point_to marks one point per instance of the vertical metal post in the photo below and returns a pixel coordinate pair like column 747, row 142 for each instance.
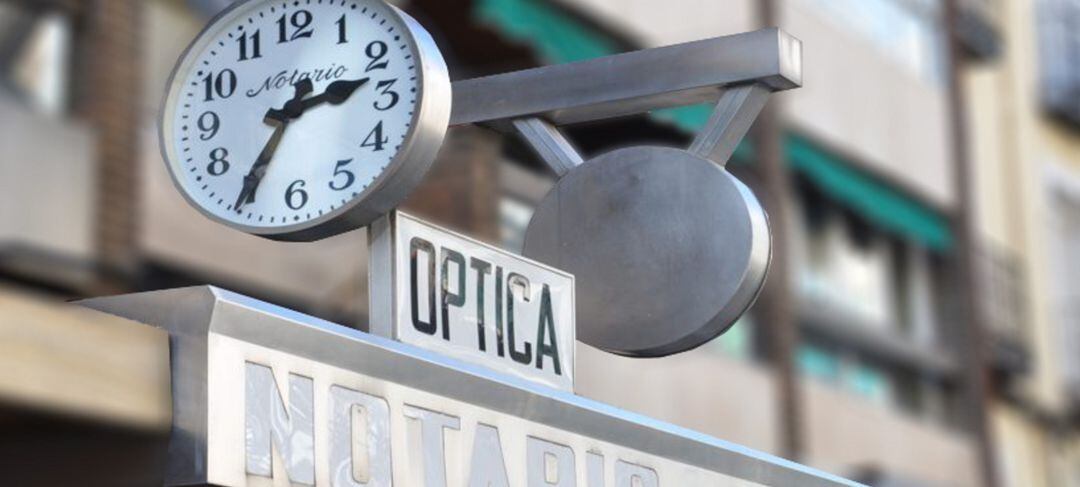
column 972, row 337
column 776, row 308
column 381, row 285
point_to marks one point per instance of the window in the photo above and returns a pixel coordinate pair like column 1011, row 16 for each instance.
column 908, row 31
column 514, row 217
column 1059, row 37
column 857, row 273
column 819, row 363
column 35, row 52
column 845, row 372
column 847, row 269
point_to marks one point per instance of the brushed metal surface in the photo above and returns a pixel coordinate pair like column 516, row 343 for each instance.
column 668, row 248
column 216, row 334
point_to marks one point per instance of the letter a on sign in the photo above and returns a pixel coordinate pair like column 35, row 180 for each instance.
column 488, row 465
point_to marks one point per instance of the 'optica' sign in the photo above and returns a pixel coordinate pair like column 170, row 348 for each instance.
column 454, row 295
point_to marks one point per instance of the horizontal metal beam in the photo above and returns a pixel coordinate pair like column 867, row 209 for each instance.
column 634, row 82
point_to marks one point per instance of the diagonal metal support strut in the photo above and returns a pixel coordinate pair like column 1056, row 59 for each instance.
column 731, row 120
column 550, row 144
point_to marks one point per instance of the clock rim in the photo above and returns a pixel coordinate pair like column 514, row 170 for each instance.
column 403, row 173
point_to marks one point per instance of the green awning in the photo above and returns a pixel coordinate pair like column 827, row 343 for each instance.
column 559, row 37
column 870, row 197
column 556, row 36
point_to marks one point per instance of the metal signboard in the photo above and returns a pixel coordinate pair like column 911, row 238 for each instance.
column 460, row 297
column 264, row 396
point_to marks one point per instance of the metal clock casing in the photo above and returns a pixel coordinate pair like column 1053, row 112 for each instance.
column 413, row 152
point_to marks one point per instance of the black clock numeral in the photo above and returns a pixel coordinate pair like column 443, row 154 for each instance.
column 209, row 123
column 300, row 21
column 340, row 171
column 384, row 89
column 295, row 196
column 342, row 33
column 223, row 85
column 255, row 43
column 377, row 51
column 219, row 164
column 375, row 139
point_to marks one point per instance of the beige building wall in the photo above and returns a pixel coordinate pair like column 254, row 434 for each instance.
column 1022, row 454
column 663, row 23
column 1019, row 155
column 854, row 98
column 846, row 433
column 1012, row 195
column 867, row 106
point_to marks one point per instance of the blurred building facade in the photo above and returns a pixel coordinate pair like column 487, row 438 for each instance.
column 923, row 330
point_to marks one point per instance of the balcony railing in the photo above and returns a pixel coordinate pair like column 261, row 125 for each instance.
column 1003, row 307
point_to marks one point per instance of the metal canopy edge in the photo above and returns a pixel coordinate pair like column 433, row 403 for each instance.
column 192, row 315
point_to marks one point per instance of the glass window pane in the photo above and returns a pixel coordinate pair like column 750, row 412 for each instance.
column 818, row 363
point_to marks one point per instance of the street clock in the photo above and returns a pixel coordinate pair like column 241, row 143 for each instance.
column 302, row 119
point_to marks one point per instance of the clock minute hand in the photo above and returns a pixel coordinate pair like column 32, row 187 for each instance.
column 293, row 108
column 258, row 170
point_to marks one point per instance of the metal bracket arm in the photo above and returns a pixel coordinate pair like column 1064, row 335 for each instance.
column 550, row 144
column 634, row 82
column 730, row 121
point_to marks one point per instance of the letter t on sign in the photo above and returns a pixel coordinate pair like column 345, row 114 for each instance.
column 433, row 455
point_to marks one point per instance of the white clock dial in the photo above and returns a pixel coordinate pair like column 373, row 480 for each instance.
column 303, row 118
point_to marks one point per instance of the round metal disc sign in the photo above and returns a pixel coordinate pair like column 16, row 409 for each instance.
column 668, row 249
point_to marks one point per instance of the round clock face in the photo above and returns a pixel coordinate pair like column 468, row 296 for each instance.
column 301, row 119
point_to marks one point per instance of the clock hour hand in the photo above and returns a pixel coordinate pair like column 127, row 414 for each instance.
column 337, row 93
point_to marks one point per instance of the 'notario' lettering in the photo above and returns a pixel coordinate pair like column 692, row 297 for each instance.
column 285, row 78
